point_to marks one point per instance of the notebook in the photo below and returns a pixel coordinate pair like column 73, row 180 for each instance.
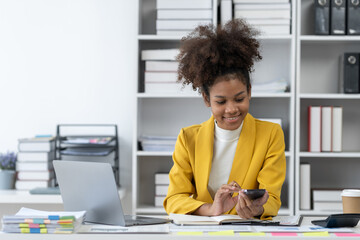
column 91, row 186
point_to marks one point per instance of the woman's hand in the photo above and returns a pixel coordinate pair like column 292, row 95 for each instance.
column 223, row 201
column 247, row 208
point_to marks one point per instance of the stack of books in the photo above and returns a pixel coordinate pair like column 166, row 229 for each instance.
column 275, row 86
column 158, row 143
column 161, row 72
column 270, row 17
column 178, row 18
column 327, row 200
column 161, row 188
column 33, row 221
column 34, row 163
column 325, row 128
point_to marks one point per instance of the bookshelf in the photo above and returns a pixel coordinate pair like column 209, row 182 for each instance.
column 317, row 84
column 165, row 114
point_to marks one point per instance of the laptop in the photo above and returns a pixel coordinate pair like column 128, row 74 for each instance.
column 91, row 186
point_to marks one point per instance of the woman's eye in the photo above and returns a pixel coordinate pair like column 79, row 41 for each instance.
column 220, row 102
column 239, row 99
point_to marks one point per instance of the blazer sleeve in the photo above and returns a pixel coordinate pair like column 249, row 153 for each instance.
column 272, row 174
column 181, row 189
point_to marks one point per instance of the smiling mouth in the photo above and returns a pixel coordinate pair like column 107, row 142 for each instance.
column 232, row 118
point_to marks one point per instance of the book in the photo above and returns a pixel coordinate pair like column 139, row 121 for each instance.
column 173, row 33
column 35, row 156
column 162, row 178
column 28, row 220
column 226, row 11
column 272, row 29
column 184, row 4
column 159, row 54
column 327, row 206
column 173, row 88
column 34, row 166
column 161, row 66
column 36, row 144
column 35, row 175
column 160, row 77
column 161, row 190
column 159, row 200
column 184, row 14
column 329, row 195
column 273, row 13
column 337, row 126
column 185, row 219
column 260, row 1
column 326, row 128
column 264, row 6
column 165, row 24
column 305, row 186
column 30, row 184
column 314, row 128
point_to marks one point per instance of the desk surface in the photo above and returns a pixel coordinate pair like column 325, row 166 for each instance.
column 172, row 235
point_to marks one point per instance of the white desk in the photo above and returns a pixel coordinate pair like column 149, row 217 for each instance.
column 169, row 236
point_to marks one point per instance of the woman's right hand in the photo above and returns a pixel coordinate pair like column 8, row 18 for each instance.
column 224, row 199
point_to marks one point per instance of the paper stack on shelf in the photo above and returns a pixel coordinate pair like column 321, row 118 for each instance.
column 276, row 86
column 161, row 187
column 158, row 143
column 178, row 18
column 161, row 72
column 270, row 17
column 34, row 221
column 34, row 163
column 327, row 200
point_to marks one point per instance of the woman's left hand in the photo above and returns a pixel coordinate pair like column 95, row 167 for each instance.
column 247, row 208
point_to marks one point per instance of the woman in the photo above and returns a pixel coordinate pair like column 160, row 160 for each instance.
column 214, row 161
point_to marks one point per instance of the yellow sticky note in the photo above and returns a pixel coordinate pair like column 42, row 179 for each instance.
column 222, row 233
column 316, row 234
column 190, row 233
column 252, row 234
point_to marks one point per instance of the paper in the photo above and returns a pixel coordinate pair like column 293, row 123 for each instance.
column 190, row 233
column 32, row 212
column 316, row 234
column 211, row 228
column 347, row 234
column 161, row 228
column 252, row 234
column 284, row 234
column 309, row 228
column 222, row 233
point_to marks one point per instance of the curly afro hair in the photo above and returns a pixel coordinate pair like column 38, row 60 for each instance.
column 209, row 53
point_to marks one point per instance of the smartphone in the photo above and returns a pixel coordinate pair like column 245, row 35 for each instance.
column 254, row 193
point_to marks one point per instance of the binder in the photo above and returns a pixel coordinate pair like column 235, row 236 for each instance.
column 353, row 17
column 351, row 72
column 322, row 17
column 337, row 12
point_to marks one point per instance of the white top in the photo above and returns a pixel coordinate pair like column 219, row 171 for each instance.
column 225, row 142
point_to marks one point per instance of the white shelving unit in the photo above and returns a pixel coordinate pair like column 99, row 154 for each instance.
column 166, row 114
column 317, row 84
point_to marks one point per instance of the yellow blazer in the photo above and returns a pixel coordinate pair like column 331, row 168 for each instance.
column 259, row 162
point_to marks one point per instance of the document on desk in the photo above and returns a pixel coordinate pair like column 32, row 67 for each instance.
column 210, row 228
column 309, row 228
column 98, row 228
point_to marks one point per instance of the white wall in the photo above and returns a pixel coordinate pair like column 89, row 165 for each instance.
column 68, row 61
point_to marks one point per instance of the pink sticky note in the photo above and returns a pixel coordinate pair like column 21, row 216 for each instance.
column 284, row 234
column 347, row 234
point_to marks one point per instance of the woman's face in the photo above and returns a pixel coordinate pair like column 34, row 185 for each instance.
column 229, row 101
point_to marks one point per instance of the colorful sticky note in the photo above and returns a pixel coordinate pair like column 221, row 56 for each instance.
column 190, row 233
column 316, row 234
column 347, row 234
column 284, row 234
column 252, row 234
column 222, row 233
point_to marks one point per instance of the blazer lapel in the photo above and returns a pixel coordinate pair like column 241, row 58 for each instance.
column 203, row 158
column 244, row 151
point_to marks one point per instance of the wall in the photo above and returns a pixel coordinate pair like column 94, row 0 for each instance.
column 68, row 61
